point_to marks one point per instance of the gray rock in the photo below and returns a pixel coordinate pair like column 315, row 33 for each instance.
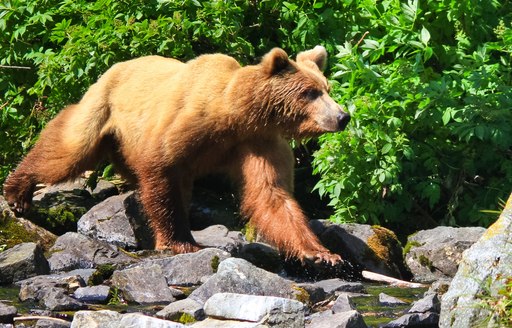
column 267, row 310
column 239, row 276
column 92, row 294
column 21, row 262
column 52, row 323
column 33, row 288
column 177, row 309
column 6, row 325
column 219, row 236
column 56, row 299
column 118, row 220
column 436, row 253
column 331, row 286
column 484, row 270
column 372, row 248
column 215, row 323
column 76, row 251
column 316, row 293
column 343, row 304
column 89, row 319
column 349, row 319
column 111, row 319
column 103, row 190
column 191, row 268
column 429, row 303
column 263, row 256
column 387, row 300
column 423, row 320
column 143, row 285
column 7, row 313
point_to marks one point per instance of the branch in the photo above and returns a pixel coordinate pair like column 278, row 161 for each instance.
column 15, row 67
column 389, row 280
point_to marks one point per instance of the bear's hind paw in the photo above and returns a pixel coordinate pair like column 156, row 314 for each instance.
column 324, row 256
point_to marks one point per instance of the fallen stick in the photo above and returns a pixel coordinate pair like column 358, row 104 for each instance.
column 389, row 280
column 38, row 317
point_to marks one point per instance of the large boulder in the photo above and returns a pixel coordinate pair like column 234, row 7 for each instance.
column 482, row 279
column 436, row 253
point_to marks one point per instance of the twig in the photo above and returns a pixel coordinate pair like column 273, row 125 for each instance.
column 38, row 317
column 392, row 281
column 362, row 38
column 3, row 105
column 15, row 67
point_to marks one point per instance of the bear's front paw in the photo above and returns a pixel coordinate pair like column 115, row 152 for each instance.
column 323, row 256
column 18, row 199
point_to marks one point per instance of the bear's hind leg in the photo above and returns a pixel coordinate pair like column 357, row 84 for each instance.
column 165, row 196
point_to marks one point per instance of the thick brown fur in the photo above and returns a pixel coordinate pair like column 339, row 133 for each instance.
column 165, row 123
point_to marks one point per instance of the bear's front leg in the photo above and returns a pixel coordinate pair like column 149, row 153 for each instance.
column 266, row 176
column 165, row 194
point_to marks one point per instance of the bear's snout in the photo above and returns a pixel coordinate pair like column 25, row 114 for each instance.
column 343, row 119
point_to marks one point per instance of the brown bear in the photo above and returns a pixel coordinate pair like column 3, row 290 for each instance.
column 164, row 123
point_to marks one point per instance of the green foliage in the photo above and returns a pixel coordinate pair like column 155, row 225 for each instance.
column 428, row 84
column 496, row 298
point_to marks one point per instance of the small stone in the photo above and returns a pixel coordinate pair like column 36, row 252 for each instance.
column 92, row 294
column 219, row 236
column 343, row 304
column 349, row 319
column 52, row 323
column 103, row 318
column 187, row 307
column 427, row 320
column 387, row 300
column 7, row 313
column 330, row 286
column 56, row 299
column 429, row 303
column 263, row 256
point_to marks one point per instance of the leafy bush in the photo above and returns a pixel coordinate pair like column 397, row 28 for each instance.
column 427, row 83
column 429, row 86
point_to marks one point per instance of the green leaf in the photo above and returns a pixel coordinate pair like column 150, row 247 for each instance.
column 424, row 35
column 387, row 147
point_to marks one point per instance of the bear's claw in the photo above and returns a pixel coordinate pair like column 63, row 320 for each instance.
column 324, row 256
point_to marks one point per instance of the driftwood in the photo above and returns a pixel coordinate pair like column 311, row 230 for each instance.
column 37, row 317
column 389, row 280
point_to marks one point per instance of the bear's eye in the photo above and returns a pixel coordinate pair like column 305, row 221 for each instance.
column 311, row 94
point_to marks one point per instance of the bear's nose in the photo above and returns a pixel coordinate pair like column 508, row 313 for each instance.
column 343, row 119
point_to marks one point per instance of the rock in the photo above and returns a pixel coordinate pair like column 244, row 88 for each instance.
column 14, row 230
column 7, row 313
column 56, row 299
column 58, row 207
column 483, row 273
column 76, row 251
column 21, row 262
column 33, row 289
column 266, row 310
column 331, row 286
column 111, row 319
column 429, row 303
column 143, row 285
column 190, row 268
column 215, row 323
column 187, row 309
column 436, row 253
column 371, row 248
column 312, row 293
column 103, row 190
column 52, row 323
column 349, row 319
column 219, row 236
column 387, row 300
column 239, row 276
column 263, row 256
column 343, row 304
column 92, row 294
column 423, row 320
column 118, row 220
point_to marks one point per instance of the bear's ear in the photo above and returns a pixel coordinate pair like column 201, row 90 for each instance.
column 317, row 55
column 276, row 61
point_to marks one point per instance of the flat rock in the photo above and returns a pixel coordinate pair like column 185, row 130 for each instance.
column 423, row 320
column 75, row 251
column 216, row 323
column 21, row 262
column 267, row 310
column 143, row 285
column 436, row 253
column 33, row 288
column 57, row 299
column 331, row 286
column 429, row 303
column 236, row 275
column 349, row 319
column 92, row 294
column 118, row 220
column 52, row 323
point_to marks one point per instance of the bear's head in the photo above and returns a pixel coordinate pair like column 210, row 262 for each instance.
column 296, row 94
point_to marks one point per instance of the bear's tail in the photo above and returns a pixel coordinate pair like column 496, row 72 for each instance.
column 69, row 145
